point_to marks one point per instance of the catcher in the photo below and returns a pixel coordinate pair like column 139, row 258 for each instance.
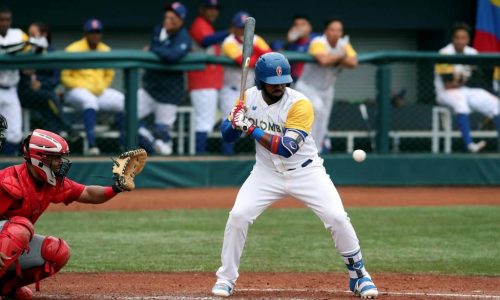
column 27, row 189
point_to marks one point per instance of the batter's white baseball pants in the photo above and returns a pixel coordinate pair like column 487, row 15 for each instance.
column 310, row 185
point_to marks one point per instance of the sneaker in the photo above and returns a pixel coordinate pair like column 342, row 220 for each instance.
column 94, row 151
column 222, row 289
column 162, row 148
column 476, row 147
column 363, row 287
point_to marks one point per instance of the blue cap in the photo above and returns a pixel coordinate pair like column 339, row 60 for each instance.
column 93, row 25
column 239, row 19
column 178, row 8
column 210, row 4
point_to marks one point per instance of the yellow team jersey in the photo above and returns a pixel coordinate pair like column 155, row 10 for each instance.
column 94, row 80
column 293, row 111
column 232, row 48
column 453, row 70
column 14, row 36
column 323, row 77
column 496, row 73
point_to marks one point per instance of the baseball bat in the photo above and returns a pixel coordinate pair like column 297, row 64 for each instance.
column 247, row 53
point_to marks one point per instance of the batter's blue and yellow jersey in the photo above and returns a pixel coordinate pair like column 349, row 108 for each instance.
column 293, row 111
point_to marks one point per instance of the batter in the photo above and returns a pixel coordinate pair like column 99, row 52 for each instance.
column 287, row 164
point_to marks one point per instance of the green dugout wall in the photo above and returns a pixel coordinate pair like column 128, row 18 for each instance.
column 386, row 170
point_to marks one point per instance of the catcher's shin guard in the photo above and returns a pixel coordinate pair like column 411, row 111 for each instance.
column 15, row 236
column 55, row 253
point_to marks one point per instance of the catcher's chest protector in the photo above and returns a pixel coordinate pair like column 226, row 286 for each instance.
column 29, row 200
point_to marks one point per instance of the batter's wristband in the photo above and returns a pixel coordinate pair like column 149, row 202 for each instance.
column 257, row 133
column 251, row 129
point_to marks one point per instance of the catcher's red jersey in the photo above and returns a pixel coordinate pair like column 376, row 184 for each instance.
column 21, row 195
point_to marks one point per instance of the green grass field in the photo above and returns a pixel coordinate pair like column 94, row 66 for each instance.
column 448, row 240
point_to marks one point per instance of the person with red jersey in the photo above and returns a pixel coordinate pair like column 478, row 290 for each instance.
column 204, row 85
column 26, row 190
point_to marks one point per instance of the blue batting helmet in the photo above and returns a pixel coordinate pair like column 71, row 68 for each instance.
column 272, row 68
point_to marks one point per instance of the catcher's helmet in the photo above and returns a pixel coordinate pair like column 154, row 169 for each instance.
column 44, row 150
column 272, row 68
column 3, row 130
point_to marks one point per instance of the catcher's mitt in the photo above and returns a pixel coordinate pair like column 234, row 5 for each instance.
column 126, row 166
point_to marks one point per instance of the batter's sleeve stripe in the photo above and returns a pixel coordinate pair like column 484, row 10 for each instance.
column 275, row 142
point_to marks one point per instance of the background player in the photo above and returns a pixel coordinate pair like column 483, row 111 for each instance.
column 12, row 40
column 298, row 39
column 287, row 163
column 89, row 89
column 451, row 90
column 26, row 190
column 163, row 90
column 3, row 130
column 232, row 47
column 332, row 52
column 204, row 85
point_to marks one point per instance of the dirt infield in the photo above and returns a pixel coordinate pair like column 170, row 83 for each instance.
column 274, row 285
column 154, row 199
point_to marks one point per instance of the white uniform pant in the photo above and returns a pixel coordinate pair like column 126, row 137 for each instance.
column 228, row 97
column 310, row 185
column 10, row 108
column 82, row 99
column 205, row 108
column 322, row 101
column 165, row 113
column 464, row 100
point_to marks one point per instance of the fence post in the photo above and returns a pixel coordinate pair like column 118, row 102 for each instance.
column 131, row 84
column 383, row 83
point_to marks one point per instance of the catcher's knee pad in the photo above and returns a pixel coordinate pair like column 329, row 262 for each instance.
column 51, row 256
column 15, row 236
column 56, row 253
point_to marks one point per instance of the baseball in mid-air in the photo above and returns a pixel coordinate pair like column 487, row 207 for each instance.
column 359, row 155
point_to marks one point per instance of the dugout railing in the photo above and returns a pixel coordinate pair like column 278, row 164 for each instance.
column 381, row 110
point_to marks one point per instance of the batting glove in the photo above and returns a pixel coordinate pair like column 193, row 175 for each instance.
column 233, row 113
column 241, row 122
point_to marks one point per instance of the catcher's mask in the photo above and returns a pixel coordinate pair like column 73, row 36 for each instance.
column 3, row 130
column 46, row 151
